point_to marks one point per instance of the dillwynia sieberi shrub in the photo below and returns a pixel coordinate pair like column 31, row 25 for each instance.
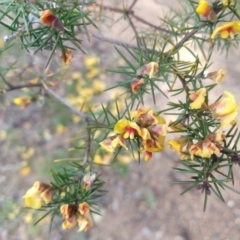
column 200, row 126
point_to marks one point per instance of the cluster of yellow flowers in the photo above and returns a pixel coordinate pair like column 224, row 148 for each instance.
column 212, row 144
column 225, row 29
column 72, row 214
column 224, row 110
column 145, row 126
column 75, row 214
column 150, row 130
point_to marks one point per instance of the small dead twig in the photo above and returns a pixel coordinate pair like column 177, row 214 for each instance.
column 5, row 81
column 88, row 145
column 133, row 4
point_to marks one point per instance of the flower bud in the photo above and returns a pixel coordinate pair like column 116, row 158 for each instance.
column 48, row 18
column 136, row 84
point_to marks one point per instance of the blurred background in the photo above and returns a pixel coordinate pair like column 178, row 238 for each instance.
column 141, row 203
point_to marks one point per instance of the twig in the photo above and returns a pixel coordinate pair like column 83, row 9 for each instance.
column 129, row 12
column 113, row 9
column 133, row 4
column 120, row 43
column 67, row 104
column 88, row 146
column 150, row 24
column 5, row 81
column 56, row 96
column 21, row 86
column 186, row 37
column 135, row 31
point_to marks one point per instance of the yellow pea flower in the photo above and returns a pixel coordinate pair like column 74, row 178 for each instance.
column 227, row 29
column 226, row 105
column 203, row 8
column 197, row 98
column 177, row 144
column 38, row 193
column 151, row 145
column 127, row 128
column 22, row 101
column 209, row 148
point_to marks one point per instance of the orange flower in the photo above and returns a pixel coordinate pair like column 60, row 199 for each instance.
column 37, row 193
column 225, row 109
column 83, row 208
column 72, row 215
column 69, row 214
column 48, row 18
column 136, row 84
column 148, row 69
column 197, row 98
column 127, row 128
column 227, row 29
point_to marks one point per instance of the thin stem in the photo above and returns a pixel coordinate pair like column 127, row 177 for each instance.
column 21, row 86
column 67, row 104
column 131, row 13
column 135, row 30
column 54, row 95
column 150, row 24
column 186, row 37
column 133, row 4
column 5, row 81
column 120, row 43
column 88, row 146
